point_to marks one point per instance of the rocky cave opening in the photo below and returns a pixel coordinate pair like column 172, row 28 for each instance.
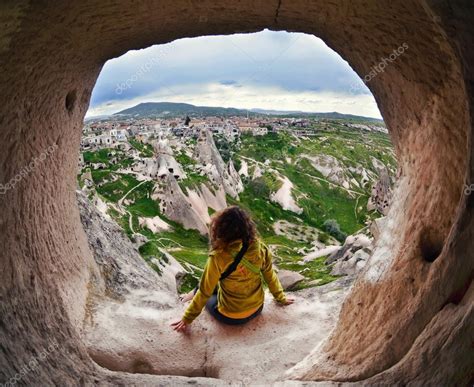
column 397, row 325
column 224, row 357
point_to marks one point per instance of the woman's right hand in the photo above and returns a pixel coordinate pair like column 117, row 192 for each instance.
column 180, row 326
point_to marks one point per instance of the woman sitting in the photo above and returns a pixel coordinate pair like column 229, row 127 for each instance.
column 231, row 286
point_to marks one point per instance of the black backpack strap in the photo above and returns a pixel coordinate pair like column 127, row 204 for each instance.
column 231, row 268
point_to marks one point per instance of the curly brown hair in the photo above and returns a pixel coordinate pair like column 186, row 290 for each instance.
column 229, row 225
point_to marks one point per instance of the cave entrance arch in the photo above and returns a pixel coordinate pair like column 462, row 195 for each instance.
column 407, row 317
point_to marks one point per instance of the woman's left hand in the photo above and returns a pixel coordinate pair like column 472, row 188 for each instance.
column 288, row 301
column 180, row 326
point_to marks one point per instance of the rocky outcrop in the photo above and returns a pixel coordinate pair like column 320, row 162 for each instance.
column 146, row 167
column 351, row 258
column 161, row 164
column 166, row 163
column 289, row 279
column 284, row 196
column 381, row 197
column 214, row 166
column 244, row 169
column 234, row 176
column 189, row 207
column 351, row 264
column 330, row 168
column 121, row 267
column 155, row 224
column 203, row 198
column 377, row 226
column 175, row 205
column 170, row 270
column 215, row 200
column 257, row 172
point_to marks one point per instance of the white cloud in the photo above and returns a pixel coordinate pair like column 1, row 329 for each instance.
column 268, row 69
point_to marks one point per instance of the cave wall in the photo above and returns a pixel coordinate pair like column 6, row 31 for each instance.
column 414, row 301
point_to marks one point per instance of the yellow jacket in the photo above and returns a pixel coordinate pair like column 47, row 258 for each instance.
column 242, row 290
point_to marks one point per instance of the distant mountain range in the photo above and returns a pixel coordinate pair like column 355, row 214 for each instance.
column 173, row 109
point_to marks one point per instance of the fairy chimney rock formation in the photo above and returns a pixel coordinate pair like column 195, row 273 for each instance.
column 177, row 207
column 381, row 197
column 164, row 158
column 214, row 166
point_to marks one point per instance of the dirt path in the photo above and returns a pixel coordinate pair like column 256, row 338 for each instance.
column 120, row 204
column 128, row 192
column 130, row 221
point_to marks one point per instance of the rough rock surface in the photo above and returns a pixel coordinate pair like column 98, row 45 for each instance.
column 351, row 258
column 353, row 264
column 155, row 224
column 377, row 226
column 381, row 197
column 350, row 246
column 162, row 164
column 330, row 168
column 409, row 317
column 165, row 161
column 289, row 279
column 121, row 266
column 129, row 329
column 284, row 196
column 189, row 207
column 137, row 338
column 177, row 206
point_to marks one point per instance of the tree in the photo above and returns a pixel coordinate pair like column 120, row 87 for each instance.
column 332, row 228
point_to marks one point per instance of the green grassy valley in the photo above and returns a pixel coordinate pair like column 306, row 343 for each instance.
column 331, row 174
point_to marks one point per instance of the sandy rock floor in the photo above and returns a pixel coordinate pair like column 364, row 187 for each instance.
column 135, row 336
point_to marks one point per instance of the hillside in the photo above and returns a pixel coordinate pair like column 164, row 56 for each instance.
column 172, row 109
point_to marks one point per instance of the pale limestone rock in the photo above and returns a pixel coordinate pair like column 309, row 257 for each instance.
column 257, row 172
column 377, row 226
column 155, row 224
column 352, row 264
column 352, row 244
column 214, row 167
column 330, row 167
column 244, row 169
column 289, row 279
column 175, row 205
column 284, row 196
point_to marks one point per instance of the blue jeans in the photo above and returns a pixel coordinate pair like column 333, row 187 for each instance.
column 211, row 307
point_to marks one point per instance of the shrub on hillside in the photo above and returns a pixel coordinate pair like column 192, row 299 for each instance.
column 332, row 228
column 259, row 187
column 323, row 237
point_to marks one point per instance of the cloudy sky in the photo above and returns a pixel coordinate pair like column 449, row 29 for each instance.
column 267, row 70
